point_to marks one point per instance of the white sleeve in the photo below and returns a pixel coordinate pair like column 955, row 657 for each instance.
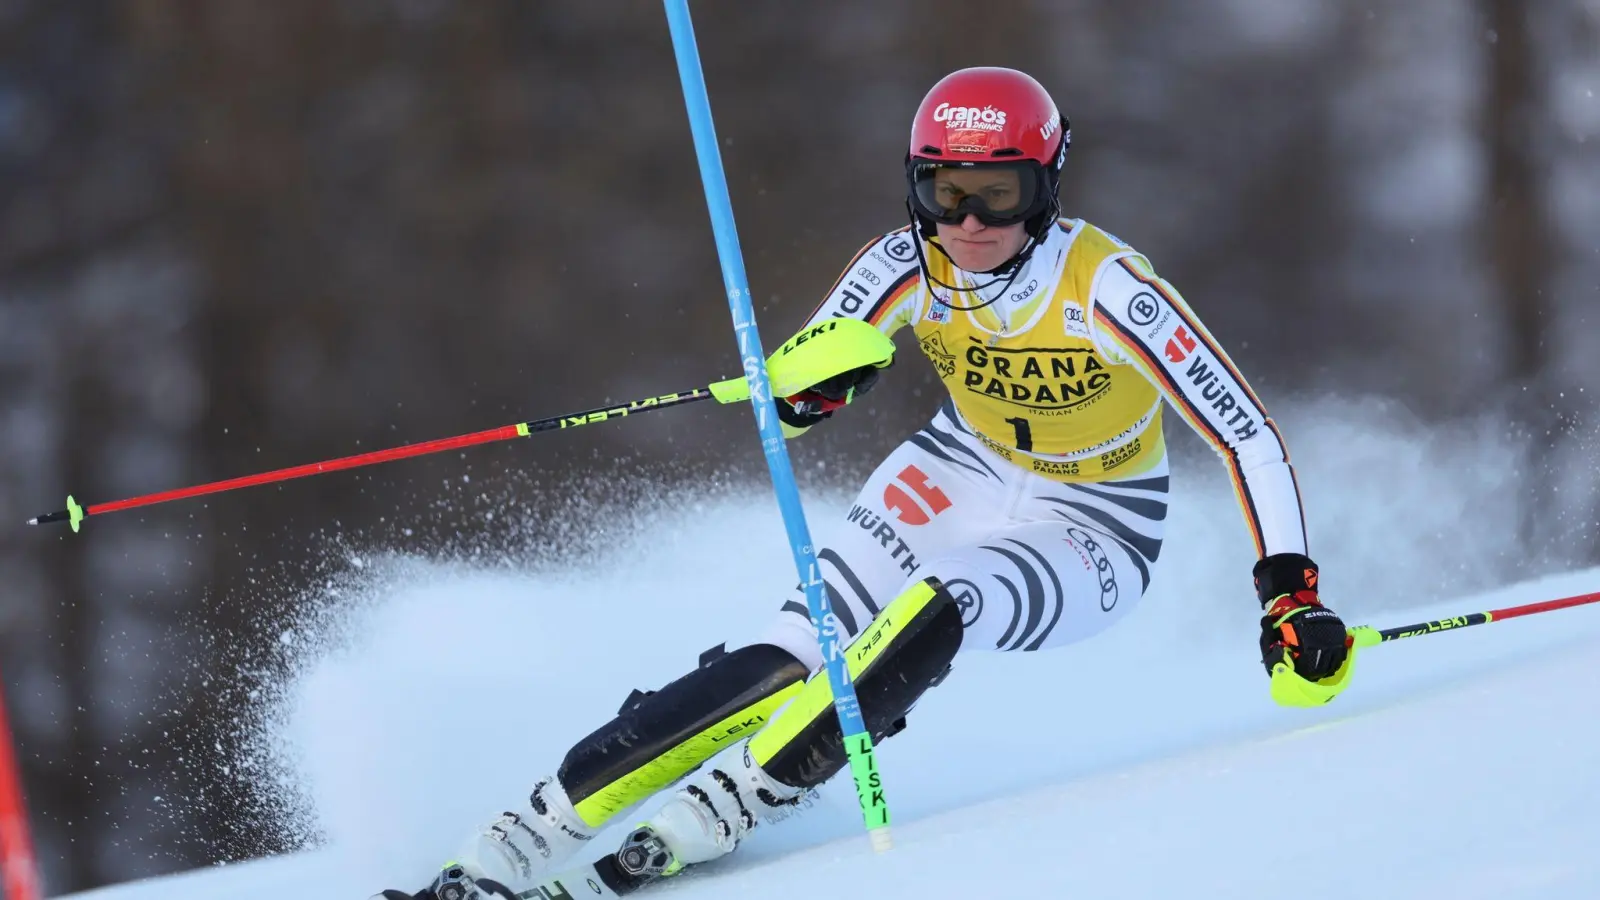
column 880, row 286
column 1138, row 319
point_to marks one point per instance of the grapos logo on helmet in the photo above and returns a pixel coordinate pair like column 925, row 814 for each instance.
column 986, row 119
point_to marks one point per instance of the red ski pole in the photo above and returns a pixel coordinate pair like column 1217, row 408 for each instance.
column 1367, row 636
column 75, row 513
column 812, row 356
column 1289, row 689
column 19, row 872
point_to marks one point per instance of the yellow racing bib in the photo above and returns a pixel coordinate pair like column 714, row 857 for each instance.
column 1045, row 398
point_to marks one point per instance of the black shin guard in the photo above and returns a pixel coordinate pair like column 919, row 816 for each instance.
column 659, row 737
column 906, row 650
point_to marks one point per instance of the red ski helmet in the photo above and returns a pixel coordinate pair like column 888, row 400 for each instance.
column 987, row 118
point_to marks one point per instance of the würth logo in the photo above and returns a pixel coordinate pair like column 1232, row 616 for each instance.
column 909, row 510
column 1180, row 345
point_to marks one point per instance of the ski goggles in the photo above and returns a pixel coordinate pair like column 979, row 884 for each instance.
column 998, row 193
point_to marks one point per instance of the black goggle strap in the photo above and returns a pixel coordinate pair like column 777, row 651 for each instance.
column 1014, row 268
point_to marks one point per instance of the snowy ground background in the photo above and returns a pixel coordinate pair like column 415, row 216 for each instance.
column 1147, row 763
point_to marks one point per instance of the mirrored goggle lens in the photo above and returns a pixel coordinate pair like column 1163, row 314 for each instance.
column 998, row 194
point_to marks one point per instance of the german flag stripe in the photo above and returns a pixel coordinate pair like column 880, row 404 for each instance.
column 1200, row 334
column 1305, row 535
column 1191, row 414
column 892, row 297
column 850, row 266
column 1187, row 409
column 1279, row 435
column 1247, row 502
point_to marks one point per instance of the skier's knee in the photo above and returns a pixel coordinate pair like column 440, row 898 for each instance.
column 659, row 736
column 906, row 650
column 961, row 579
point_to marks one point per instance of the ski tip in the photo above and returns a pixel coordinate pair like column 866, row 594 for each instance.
column 33, row 521
column 881, row 841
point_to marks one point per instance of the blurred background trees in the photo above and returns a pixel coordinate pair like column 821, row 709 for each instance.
column 238, row 235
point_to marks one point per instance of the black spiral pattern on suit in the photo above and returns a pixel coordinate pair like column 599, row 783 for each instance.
column 1034, row 599
column 1084, row 504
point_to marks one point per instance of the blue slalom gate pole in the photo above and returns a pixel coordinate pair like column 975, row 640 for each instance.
column 857, row 742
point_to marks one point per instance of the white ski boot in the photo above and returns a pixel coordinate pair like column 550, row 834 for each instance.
column 513, row 852
column 706, row 818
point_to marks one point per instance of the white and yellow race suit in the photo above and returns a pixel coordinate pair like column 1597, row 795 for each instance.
column 1037, row 496
column 1038, row 492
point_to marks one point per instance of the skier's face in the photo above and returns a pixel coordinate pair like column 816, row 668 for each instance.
column 972, row 245
column 977, row 247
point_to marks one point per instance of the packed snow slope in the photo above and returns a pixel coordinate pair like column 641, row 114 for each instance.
column 1147, row 763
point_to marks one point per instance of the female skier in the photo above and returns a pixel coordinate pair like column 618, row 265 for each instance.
column 1027, row 515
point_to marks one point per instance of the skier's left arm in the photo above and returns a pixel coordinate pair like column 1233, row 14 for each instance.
column 1140, row 320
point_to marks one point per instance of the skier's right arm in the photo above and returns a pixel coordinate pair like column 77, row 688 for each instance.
column 881, row 285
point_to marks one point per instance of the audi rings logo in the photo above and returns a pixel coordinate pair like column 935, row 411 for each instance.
column 968, row 599
column 1101, row 565
column 1143, row 309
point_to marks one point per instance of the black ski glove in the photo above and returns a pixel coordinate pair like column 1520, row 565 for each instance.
column 1296, row 625
column 818, row 402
